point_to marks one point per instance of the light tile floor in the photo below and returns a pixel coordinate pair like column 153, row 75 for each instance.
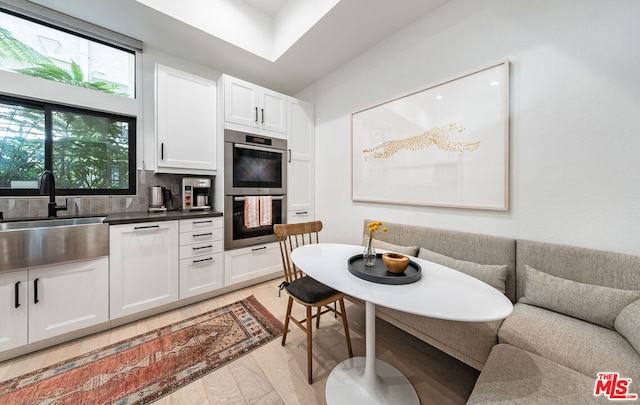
column 274, row 374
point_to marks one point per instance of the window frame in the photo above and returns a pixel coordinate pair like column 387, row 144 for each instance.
column 78, row 33
column 47, row 109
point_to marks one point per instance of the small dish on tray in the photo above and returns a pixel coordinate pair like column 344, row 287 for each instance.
column 395, row 262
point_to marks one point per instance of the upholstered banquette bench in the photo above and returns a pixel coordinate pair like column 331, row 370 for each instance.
column 576, row 315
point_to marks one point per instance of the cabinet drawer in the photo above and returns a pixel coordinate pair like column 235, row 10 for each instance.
column 200, row 236
column 201, row 274
column 199, row 249
column 187, row 225
column 297, row 216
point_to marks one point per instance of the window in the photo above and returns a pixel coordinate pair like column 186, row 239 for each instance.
column 35, row 49
column 89, row 152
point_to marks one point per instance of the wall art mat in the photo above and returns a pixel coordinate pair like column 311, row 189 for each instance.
column 447, row 145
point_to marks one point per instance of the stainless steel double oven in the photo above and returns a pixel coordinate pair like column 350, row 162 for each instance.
column 254, row 166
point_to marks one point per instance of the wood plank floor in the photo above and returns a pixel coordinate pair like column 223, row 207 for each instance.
column 274, row 374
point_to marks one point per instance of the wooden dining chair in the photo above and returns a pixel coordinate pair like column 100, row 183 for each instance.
column 305, row 290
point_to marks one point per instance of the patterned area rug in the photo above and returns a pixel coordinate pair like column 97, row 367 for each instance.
column 145, row 368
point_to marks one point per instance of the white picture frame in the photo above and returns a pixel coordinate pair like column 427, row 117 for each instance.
column 446, row 145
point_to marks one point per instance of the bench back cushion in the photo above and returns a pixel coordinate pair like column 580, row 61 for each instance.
column 470, row 247
column 590, row 266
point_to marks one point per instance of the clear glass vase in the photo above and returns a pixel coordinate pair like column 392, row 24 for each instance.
column 369, row 253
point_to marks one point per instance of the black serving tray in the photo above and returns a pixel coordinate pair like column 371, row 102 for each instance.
column 379, row 273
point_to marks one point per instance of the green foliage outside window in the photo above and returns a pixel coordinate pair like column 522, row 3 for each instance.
column 21, row 146
column 88, row 151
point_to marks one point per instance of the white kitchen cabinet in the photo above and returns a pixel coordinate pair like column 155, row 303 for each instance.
column 144, row 266
column 201, row 256
column 262, row 110
column 67, row 297
column 14, row 307
column 246, row 264
column 300, row 168
column 185, row 122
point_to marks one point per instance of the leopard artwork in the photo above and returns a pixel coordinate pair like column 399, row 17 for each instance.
column 436, row 136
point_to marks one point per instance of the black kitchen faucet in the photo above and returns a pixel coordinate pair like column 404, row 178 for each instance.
column 48, row 186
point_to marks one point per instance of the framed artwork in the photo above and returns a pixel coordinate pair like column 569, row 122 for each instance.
column 446, row 145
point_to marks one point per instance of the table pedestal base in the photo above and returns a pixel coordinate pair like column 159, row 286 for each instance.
column 347, row 384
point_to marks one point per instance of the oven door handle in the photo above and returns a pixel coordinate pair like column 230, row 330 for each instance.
column 260, row 148
column 277, row 198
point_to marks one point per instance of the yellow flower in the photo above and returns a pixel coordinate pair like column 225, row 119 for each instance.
column 374, row 227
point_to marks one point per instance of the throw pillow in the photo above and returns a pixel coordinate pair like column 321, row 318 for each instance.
column 494, row 275
column 405, row 250
column 591, row 303
column 628, row 324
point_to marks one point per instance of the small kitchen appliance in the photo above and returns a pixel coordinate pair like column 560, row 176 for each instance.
column 195, row 193
column 156, row 199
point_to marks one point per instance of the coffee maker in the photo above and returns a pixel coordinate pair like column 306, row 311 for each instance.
column 196, row 193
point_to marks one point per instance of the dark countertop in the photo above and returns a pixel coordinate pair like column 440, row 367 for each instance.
column 121, row 218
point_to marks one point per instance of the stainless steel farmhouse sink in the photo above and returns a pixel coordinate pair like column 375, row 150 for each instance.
column 49, row 241
column 49, row 223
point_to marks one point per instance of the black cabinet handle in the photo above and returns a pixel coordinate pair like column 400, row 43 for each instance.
column 195, row 235
column 256, row 114
column 35, row 291
column 302, row 212
column 147, row 227
column 17, row 294
column 262, row 109
column 162, row 151
column 260, row 248
column 289, row 151
column 202, row 222
column 202, row 247
column 203, row 260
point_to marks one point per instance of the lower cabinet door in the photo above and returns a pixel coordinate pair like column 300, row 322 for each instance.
column 13, row 309
column 144, row 266
column 67, row 297
column 201, row 274
column 246, row 264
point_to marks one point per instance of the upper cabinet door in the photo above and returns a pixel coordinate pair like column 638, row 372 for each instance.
column 249, row 105
column 185, row 122
column 273, row 114
column 240, row 102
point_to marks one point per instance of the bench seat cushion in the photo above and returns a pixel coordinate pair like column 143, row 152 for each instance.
column 515, row 376
column 573, row 343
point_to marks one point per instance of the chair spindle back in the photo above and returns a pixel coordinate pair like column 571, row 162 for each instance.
column 291, row 236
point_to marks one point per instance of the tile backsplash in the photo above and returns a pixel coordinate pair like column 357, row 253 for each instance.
column 36, row 207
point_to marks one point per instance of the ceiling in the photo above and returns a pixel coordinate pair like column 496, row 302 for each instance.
column 269, row 7
column 348, row 29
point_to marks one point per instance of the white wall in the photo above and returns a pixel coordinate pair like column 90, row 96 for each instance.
column 574, row 111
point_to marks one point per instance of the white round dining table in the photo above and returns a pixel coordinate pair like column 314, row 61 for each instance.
column 441, row 292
